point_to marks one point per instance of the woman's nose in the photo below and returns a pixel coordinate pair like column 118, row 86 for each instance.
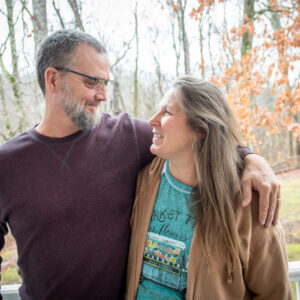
column 154, row 120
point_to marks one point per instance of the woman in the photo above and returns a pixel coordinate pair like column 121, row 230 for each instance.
column 190, row 237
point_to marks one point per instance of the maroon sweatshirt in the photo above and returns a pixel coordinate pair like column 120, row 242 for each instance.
column 68, row 202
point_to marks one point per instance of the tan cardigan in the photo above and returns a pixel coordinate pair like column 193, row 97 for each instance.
column 264, row 276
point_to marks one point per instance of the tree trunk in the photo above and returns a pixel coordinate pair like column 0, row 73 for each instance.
column 185, row 41
column 58, row 14
column 275, row 22
column 74, row 6
column 209, row 50
column 39, row 22
column 14, row 57
column 135, row 101
column 159, row 75
column 247, row 37
column 116, row 97
column 14, row 77
column 4, row 111
column 176, row 50
column 201, row 48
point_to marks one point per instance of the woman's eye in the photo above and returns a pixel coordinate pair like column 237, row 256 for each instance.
column 166, row 112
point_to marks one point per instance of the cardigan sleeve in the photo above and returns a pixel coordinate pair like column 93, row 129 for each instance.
column 266, row 274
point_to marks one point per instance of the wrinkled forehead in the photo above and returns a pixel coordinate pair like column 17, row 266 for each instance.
column 89, row 60
column 171, row 98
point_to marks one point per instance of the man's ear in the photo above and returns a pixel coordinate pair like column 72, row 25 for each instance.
column 52, row 79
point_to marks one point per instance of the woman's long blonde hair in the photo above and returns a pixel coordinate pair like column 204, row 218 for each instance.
column 218, row 164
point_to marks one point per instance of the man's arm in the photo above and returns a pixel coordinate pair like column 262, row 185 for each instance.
column 144, row 137
column 3, row 231
column 259, row 176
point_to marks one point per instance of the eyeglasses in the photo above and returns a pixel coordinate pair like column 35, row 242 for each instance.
column 92, row 83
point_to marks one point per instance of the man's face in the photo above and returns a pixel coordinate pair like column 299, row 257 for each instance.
column 78, row 100
column 76, row 110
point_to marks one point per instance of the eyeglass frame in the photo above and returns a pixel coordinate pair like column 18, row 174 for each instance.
column 104, row 82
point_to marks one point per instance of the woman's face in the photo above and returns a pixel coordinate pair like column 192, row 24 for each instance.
column 172, row 137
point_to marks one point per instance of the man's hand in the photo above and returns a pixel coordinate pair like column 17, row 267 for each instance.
column 259, row 176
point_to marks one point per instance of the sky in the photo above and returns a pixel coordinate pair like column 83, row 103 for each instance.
column 114, row 19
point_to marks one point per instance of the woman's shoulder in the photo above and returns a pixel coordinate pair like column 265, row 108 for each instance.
column 251, row 231
column 150, row 173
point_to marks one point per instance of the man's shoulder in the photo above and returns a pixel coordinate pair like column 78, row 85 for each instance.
column 15, row 144
column 124, row 122
column 121, row 119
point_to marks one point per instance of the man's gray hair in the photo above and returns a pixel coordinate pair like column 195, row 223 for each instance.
column 57, row 50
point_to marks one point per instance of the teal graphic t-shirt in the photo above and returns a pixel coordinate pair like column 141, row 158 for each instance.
column 168, row 242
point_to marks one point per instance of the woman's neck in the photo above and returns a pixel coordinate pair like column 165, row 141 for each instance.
column 184, row 170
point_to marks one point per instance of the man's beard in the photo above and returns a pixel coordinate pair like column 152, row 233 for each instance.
column 76, row 111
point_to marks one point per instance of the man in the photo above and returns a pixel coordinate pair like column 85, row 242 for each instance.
column 67, row 185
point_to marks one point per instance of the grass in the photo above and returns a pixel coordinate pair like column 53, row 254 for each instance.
column 290, row 218
column 290, row 194
column 293, row 251
column 10, row 276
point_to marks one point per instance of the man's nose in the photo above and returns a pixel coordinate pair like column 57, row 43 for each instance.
column 101, row 94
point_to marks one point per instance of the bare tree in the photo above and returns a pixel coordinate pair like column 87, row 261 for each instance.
column 248, row 17
column 76, row 11
column 156, row 59
column 8, row 132
column 185, row 42
column 13, row 78
column 178, row 10
column 176, row 42
column 117, row 103
column 159, row 74
column 62, row 24
column 116, row 97
column 135, row 83
column 39, row 21
column 201, row 48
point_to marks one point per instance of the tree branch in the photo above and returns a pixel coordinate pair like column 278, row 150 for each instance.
column 3, row 13
column 58, row 14
column 24, row 7
column 122, row 55
column 74, row 6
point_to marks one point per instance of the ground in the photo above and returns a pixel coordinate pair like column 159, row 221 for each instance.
column 289, row 174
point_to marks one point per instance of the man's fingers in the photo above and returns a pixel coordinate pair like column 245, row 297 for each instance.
column 272, row 208
column 278, row 205
column 279, row 192
column 276, row 215
column 264, row 191
column 269, row 208
column 247, row 191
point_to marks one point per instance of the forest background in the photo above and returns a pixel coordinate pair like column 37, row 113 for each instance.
column 249, row 48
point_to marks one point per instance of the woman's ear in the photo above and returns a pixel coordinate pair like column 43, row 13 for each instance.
column 200, row 134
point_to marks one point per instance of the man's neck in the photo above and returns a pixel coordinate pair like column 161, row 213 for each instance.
column 56, row 128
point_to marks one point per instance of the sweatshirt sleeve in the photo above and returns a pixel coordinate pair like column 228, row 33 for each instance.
column 143, row 133
column 244, row 150
column 3, row 232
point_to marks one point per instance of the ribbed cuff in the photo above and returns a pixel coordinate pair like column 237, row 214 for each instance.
column 244, row 150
